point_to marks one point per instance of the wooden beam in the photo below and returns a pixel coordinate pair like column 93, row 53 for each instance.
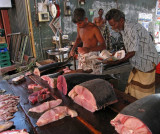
column 6, row 25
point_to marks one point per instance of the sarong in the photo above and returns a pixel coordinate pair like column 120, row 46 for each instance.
column 141, row 84
column 88, row 61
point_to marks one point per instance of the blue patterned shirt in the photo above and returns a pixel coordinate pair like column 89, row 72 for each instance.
column 137, row 38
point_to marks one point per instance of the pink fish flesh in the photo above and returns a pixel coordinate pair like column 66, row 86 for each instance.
column 45, row 106
column 55, row 114
column 125, row 124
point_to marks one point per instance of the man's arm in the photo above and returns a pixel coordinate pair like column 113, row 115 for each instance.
column 77, row 42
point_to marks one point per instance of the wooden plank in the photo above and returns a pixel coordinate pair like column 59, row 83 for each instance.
column 6, row 24
column 5, row 70
column 30, row 27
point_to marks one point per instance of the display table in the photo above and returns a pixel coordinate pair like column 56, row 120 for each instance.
column 85, row 123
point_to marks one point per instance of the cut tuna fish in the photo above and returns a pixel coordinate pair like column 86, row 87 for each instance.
column 19, row 79
column 94, row 94
column 54, row 115
column 31, row 86
column 52, row 78
column 45, row 106
column 145, row 111
column 35, row 87
column 125, row 124
column 5, row 125
column 67, row 81
column 53, row 67
column 39, row 96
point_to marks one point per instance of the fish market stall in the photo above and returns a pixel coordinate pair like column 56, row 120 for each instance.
column 85, row 122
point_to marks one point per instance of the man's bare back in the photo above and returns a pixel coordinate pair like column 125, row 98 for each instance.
column 88, row 35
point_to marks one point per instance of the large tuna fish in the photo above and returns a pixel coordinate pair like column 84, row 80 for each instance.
column 141, row 116
column 51, row 68
column 94, row 94
column 66, row 82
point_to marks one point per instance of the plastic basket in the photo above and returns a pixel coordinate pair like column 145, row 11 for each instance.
column 4, row 56
column 3, row 45
column 5, row 63
column 3, row 50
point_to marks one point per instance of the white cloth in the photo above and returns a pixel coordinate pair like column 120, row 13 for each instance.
column 88, row 61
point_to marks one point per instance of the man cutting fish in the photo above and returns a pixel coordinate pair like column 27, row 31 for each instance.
column 141, row 53
column 92, row 39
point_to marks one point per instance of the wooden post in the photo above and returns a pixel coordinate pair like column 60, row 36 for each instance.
column 28, row 11
column 6, row 25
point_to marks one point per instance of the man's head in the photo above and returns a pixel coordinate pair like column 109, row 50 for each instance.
column 79, row 17
column 116, row 19
column 100, row 11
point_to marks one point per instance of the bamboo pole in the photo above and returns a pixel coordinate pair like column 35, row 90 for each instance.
column 28, row 11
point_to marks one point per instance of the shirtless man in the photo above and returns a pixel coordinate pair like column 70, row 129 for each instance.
column 99, row 21
column 92, row 39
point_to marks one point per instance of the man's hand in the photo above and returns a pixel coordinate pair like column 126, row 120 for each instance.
column 72, row 52
column 83, row 50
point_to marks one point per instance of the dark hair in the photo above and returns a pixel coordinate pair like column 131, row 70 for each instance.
column 78, row 15
column 100, row 9
column 114, row 14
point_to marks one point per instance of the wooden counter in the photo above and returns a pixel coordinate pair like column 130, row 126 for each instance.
column 99, row 121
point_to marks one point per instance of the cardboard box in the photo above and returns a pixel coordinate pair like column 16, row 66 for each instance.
column 2, row 40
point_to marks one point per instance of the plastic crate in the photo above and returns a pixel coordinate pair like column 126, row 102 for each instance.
column 5, row 63
column 3, row 50
column 4, row 56
column 3, row 45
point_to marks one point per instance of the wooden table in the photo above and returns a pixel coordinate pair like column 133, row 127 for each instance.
column 98, row 122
